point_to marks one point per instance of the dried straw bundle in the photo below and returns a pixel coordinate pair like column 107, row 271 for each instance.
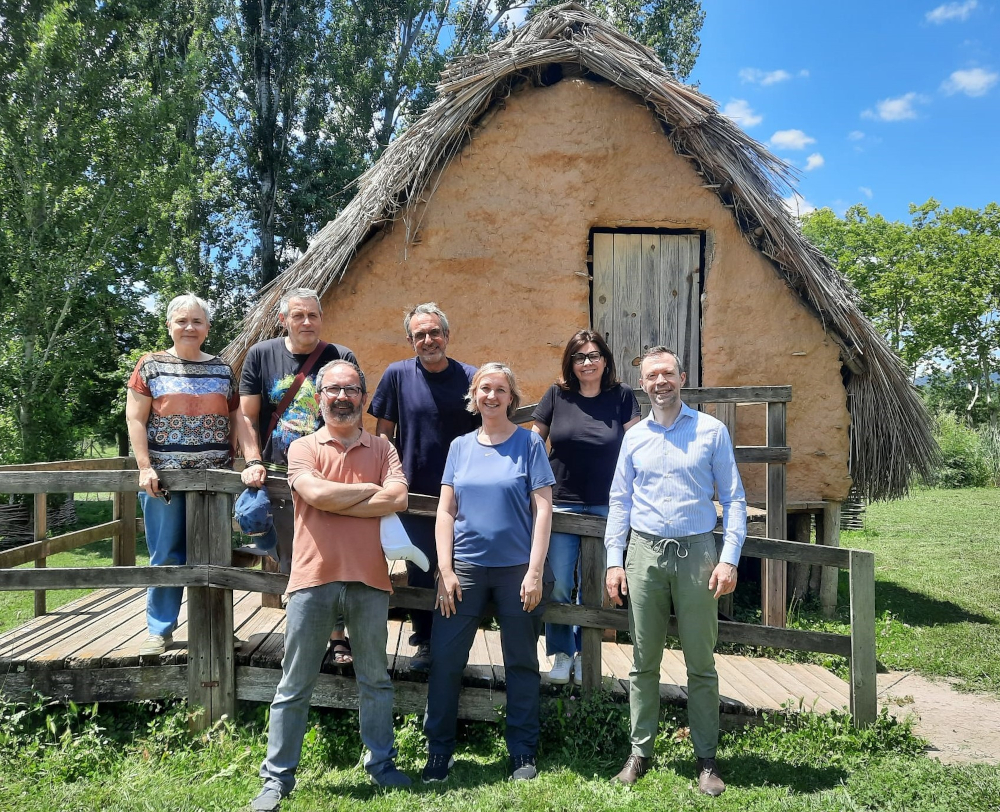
column 891, row 434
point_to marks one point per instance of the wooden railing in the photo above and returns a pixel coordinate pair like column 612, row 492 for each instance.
column 211, row 672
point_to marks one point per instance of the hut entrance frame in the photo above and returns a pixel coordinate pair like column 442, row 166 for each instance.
column 645, row 291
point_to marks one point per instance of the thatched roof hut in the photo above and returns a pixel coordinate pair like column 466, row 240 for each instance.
column 890, row 434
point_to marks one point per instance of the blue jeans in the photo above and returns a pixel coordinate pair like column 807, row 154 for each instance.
column 310, row 617
column 451, row 641
column 564, row 558
column 166, row 539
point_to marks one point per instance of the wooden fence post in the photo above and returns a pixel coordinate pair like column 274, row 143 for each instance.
column 864, row 692
column 40, row 531
column 592, row 567
column 773, row 573
column 828, row 534
column 123, row 541
column 211, row 664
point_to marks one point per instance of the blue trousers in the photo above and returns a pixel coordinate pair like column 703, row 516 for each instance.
column 564, row 559
column 310, row 617
column 166, row 539
column 451, row 641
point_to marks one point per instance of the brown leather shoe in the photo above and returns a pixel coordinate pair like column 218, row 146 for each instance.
column 709, row 778
column 635, row 768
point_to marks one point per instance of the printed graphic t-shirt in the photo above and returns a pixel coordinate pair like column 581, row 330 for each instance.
column 268, row 371
column 188, row 424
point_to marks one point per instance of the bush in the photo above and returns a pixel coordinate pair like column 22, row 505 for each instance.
column 964, row 459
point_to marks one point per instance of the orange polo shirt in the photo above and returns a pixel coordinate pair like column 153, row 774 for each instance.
column 330, row 547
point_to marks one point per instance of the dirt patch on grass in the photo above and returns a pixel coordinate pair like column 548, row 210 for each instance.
column 960, row 727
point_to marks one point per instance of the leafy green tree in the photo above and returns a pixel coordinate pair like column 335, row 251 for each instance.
column 932, row 286
column 86, row 167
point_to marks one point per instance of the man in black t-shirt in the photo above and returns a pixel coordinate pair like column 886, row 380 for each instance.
column 268, row 372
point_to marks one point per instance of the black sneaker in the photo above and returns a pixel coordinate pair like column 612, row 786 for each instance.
column 522, row 768
column 437, row 768
column 421, row 661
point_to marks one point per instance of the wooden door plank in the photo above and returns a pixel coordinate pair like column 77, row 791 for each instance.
column 672, row 296
column 603, row 285
column 691, row 334
column 652, row 283
column 627, row 343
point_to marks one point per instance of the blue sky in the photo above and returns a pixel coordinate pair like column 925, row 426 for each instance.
column 883, row 102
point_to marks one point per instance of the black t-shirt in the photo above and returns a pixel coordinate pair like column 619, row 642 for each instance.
column 429, row 411
column 585, row 435
column 268, row 371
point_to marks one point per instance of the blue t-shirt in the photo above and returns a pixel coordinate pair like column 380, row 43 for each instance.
column 428, row 409
column 493, row 485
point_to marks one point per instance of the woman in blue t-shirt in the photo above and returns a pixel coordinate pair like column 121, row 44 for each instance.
column 584, row 416
column 492, row 533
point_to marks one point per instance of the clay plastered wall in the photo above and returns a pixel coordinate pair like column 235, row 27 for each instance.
column 502, row 247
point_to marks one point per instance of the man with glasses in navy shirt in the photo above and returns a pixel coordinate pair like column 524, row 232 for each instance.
column 668, row 469
column 419, row 406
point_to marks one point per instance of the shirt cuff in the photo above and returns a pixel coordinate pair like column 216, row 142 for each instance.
column 616, row 557
column 731, row 553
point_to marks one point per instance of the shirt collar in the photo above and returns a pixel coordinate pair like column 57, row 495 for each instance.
column 686, row 412
column 323, row 436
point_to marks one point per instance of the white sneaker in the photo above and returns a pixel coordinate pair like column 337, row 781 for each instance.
column 578, row 669
column 559, row 674
column 155, row 645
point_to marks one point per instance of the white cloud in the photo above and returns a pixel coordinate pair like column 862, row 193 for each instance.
column 897, row 109
column 865, row 191
column 797, row 205
column 791, row 139
column 972, row 82
column 756, row 76
column 814, row 161
column 740, row 112
column 855, row 135
column 951, row 11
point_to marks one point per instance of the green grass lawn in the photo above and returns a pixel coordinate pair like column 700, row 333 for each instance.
column 937, row 584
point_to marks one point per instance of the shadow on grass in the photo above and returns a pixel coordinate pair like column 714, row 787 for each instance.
column 748, row 772
column 918, row 609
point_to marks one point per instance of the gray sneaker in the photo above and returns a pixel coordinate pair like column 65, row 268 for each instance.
column 522, row 768
column 155, row 645
column 268, row 800
column 390, row 777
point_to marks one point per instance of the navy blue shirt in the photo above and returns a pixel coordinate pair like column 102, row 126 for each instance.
column 428, row 409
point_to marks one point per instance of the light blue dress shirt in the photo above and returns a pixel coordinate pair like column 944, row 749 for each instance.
column 665, row 479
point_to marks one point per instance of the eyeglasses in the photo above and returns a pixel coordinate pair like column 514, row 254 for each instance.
column 580, row 358
column 434, row 334
column 333, row 391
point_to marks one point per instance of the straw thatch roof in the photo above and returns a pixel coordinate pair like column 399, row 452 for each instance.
column 891, row 434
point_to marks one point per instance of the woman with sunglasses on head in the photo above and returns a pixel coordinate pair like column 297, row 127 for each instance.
column 181, row 409
column 492, row 534
column 584, row 416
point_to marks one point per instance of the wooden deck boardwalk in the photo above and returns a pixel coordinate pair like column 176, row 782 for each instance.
column 88, row 650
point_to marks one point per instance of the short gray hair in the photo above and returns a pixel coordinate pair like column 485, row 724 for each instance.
column 298, row 293
column 661, row 350
column 189, row 300
column 425, row 309
column 341, row 362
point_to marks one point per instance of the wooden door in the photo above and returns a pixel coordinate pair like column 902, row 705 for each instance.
column 647, row 291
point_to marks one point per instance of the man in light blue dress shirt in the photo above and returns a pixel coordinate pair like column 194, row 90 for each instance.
column 670, row 466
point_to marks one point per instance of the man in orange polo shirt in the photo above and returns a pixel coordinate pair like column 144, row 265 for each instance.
column 343, row 479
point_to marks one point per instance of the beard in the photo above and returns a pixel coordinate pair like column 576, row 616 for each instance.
column 341, row 416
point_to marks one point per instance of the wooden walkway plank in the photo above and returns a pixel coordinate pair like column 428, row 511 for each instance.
column 797, row 693
column 256, row 629
column 90, row 603
column 392, row 652
column 115, row 629
column 495, row 649
column 63, row 624
column 816, row 692
column 743, row 685
column 779, row 691
column 828, row 685
column 479, row 671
